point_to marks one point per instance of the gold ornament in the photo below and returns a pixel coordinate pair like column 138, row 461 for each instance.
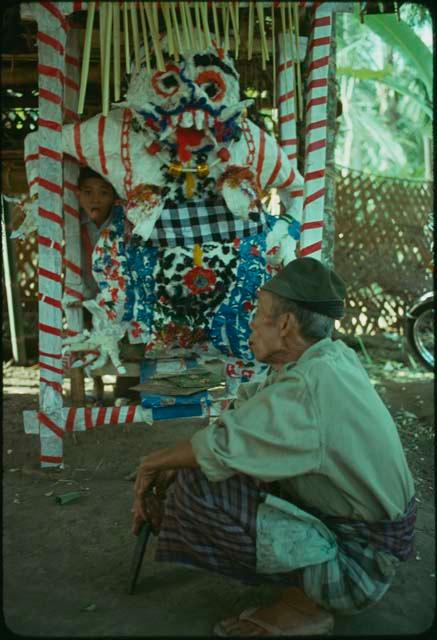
column 175, row 169
column 197, row 255
column 202, row 170
column 190, row 183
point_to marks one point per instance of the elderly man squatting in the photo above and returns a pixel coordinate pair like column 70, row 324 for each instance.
column 302, row 482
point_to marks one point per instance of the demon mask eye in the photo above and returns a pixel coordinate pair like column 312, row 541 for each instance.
column 167, row 83
column 213, row 84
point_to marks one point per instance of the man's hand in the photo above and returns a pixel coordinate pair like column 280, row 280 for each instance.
column 150, row 492
column 154, row 475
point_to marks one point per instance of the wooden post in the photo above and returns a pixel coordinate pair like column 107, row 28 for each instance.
column 77, row 385
column 329, row 209
column 10, row 271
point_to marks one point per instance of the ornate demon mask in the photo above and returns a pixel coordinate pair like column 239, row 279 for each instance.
column 193, row 105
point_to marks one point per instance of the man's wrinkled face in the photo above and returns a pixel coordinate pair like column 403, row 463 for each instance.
column 185, row 101
column 265, row 339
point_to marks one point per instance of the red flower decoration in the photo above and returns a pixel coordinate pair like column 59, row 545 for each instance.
column 254, row 250
column 230, row 370
column 200, row 280
column 154, row 148
column 224, row 154
column 273, row 251
column 136, row 329
column 248, row 306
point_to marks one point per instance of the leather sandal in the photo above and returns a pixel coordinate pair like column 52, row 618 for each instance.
column 307, row 628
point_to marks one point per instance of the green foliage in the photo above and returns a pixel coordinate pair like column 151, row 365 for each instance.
column 385, row 77
column 384, row 72
column 365, row 74
column 401, row 37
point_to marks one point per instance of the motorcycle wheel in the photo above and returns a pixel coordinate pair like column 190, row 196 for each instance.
column 420, row 334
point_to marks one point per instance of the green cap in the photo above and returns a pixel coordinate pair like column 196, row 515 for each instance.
column 311, row 285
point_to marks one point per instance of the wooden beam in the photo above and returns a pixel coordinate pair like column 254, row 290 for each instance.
column 77, row 386
column 14, row 181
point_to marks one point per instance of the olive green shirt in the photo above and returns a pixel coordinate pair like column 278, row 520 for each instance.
column 319, row 427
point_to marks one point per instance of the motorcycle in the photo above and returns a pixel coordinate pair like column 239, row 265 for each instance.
column 419, row 330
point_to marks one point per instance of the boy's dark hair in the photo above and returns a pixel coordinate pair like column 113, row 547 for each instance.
column 87, row 172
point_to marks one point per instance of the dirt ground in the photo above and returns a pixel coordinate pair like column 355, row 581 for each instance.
column 66, row 567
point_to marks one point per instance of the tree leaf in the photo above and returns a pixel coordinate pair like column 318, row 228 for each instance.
column 402, row 38
column 364, row 74
column 383, row 78
column 420, row 100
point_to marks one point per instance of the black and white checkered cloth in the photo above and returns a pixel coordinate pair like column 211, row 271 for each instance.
column 188, row 224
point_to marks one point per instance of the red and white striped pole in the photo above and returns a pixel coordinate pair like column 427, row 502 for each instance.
column 316, row 131
column 86, row 418
column 52, row 37
column 73, row 285
column 287, row 99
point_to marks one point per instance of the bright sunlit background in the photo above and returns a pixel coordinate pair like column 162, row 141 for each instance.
column 384, row 80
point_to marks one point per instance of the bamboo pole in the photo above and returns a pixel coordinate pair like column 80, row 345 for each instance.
column 11, row 280
column 237, row 17
column 126, row 38
column 107, row 58
column 264, row 47
column 290, row 18
column 283, row 19
column 274, row 56
column 102, row 27
column 207, row 35
column 86, row 55
column 116, row 40
column 216, row 25
column 135, row 35
column 191, row 31
column 185, row 27
column 250, row 30
column 225, row 14
column 231, row 9
column 155, row 37
column 170, row 41
column 174, row 16
column 198, row 25
column 155, row 13
column 145, row 37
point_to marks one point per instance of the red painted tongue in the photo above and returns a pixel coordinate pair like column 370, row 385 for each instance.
column 187, row 137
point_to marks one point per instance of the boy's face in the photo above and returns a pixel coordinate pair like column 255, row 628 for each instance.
column 96, row 198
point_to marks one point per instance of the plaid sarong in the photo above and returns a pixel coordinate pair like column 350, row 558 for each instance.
column 196, row 223
column 212, row 525
column 391, row 536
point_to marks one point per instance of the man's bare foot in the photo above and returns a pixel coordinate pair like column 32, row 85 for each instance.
column 294, row 614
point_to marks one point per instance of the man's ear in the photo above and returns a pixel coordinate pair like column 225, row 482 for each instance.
column 287, row 324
